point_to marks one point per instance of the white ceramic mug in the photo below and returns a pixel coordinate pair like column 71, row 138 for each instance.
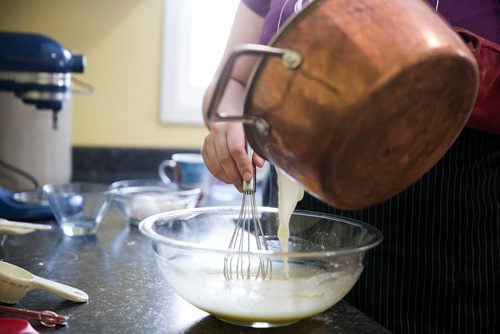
column 188, row 171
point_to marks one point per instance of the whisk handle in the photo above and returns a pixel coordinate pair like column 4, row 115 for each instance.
column 250, row 186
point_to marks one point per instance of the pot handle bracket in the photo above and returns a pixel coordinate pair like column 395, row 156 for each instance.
column 289, row 58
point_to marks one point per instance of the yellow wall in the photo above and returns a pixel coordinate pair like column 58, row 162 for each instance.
column 122, row 42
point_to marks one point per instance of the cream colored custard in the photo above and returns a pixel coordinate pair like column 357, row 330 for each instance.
column 280, row 300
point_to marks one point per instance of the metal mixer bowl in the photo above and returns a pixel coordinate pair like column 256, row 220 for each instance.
column 325, row 259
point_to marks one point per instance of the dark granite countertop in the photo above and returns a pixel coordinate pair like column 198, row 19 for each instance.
column 126, row 290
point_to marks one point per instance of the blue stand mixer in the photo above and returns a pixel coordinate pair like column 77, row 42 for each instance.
column 37, row 70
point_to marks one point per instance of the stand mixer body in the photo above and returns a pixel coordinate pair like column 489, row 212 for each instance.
column 37, row 69
column 35, row 119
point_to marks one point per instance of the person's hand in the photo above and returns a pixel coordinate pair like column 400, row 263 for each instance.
column 224, row 153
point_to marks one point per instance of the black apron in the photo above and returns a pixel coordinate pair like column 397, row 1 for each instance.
column 438, row 268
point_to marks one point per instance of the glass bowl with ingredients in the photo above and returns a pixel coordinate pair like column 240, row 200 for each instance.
column 307, row 270
column 141, row 198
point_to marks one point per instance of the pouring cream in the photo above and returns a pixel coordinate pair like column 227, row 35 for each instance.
column 289, row 193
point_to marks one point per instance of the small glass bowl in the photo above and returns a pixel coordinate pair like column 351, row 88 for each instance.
column 139, row 199
column 78, row 207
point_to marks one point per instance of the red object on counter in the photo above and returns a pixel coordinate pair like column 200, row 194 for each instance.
column 16, row 326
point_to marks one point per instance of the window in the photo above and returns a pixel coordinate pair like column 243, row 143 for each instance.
column 194, row 36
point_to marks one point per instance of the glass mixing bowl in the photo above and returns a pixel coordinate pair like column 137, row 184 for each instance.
column 138, row 199
column 324, row 261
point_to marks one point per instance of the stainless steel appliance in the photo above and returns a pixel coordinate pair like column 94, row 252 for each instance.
column 35, row 103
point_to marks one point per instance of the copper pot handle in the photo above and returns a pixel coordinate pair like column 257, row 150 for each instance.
column 289, row 58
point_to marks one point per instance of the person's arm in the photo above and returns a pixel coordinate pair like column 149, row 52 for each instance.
column 224, row 148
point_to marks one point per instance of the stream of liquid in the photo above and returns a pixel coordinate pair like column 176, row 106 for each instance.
column 289, row 193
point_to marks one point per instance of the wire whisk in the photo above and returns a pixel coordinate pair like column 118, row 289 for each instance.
column 248, row 236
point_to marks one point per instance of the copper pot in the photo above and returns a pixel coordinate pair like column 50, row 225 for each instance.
column 356, row 100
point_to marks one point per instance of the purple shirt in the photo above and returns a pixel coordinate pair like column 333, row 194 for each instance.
column 481, row 17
